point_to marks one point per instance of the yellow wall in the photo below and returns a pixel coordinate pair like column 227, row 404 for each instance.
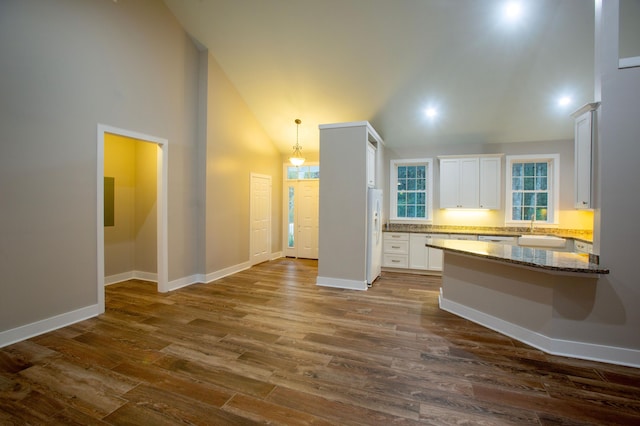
column 569, row 219
column 130, row 245
column 236, row 146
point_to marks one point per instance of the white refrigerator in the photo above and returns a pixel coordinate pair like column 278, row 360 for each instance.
column 374, row 234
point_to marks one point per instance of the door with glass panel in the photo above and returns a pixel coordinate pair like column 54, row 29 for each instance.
column 301, row 211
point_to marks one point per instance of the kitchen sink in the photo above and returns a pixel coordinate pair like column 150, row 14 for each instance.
column 548, row 241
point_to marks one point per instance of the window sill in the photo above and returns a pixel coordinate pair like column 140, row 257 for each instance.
column 411, row 221
column 536, row 225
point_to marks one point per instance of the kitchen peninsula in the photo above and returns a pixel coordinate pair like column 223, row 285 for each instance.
column 534, row 295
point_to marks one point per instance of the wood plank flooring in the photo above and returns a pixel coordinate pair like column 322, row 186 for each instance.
column 268, row 346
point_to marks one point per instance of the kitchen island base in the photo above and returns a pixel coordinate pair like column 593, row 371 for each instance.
column 542, row 309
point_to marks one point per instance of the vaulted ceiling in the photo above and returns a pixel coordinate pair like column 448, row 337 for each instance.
column 490, row 79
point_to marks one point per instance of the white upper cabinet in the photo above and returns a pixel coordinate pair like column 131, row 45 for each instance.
column 584, row 133
column 470, row 182
column 371, row 165
column 459, row 186
column 490, row 182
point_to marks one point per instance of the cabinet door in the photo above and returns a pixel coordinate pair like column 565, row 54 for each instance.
column 435, row 259
column 449, row 183
column 583, row 135
column 371, row 165
column 459, row 183
column 469, row 184
column 418, row 258
column 490, row 183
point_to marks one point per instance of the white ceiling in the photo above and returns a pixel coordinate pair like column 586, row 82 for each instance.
column 385, row 61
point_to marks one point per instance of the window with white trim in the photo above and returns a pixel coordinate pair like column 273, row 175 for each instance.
column 532, row 189
column 411, row 190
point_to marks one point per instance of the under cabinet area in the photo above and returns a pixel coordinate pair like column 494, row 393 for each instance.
column 470, row 182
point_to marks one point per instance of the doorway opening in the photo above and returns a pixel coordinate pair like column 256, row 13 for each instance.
column 104, row 133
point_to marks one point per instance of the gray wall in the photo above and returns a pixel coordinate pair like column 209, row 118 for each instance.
column 629, row 34
column 615, row 317
column 343, row 204
column 67, row 66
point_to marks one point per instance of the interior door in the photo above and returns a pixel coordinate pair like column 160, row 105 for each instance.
column 308, row 219
column 260, row 218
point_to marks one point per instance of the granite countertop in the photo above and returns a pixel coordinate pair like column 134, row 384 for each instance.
column 538, row 258
column 576, row 234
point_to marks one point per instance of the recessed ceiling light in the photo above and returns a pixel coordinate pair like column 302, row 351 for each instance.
column 431, row 112
column 513, row 10
column 564, row 101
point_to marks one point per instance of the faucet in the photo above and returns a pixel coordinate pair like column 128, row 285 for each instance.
column 533, row 220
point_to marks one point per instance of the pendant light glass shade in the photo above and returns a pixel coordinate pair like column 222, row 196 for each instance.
column 296, row 157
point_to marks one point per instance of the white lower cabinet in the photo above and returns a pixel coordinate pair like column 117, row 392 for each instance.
column 422, row 257
column 405, row 250
column 435, row 259
column 395, row 250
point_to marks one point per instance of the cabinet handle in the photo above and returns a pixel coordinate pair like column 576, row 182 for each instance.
column 395, row 261
column 395, row 247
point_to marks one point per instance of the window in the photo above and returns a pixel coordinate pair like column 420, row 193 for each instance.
column 532, row 188
column 411, row 190
column 303, row 172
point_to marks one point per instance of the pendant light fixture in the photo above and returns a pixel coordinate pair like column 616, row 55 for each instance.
column 296, row 158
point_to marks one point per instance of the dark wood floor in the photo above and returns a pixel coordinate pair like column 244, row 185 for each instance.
column 268, row 346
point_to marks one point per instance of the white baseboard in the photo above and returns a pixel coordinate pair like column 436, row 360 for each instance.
column 341, row 283
column 118, row 278
column 49, row 324
column 212, row 276
column 276, row 255
column 572, row 349
column 131, row 275
column 34, row 329
column 185, row 282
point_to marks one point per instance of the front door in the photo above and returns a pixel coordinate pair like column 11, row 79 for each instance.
column 301, row 225
column 308, row 219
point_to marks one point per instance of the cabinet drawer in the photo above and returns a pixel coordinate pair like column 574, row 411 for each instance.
column 395, row 260
column 396, row 236
column 396, row 247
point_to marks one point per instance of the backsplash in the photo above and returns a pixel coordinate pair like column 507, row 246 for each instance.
column 582, row 234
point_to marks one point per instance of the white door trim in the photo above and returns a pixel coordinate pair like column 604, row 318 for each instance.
column 161, row 200
column 267, row 256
